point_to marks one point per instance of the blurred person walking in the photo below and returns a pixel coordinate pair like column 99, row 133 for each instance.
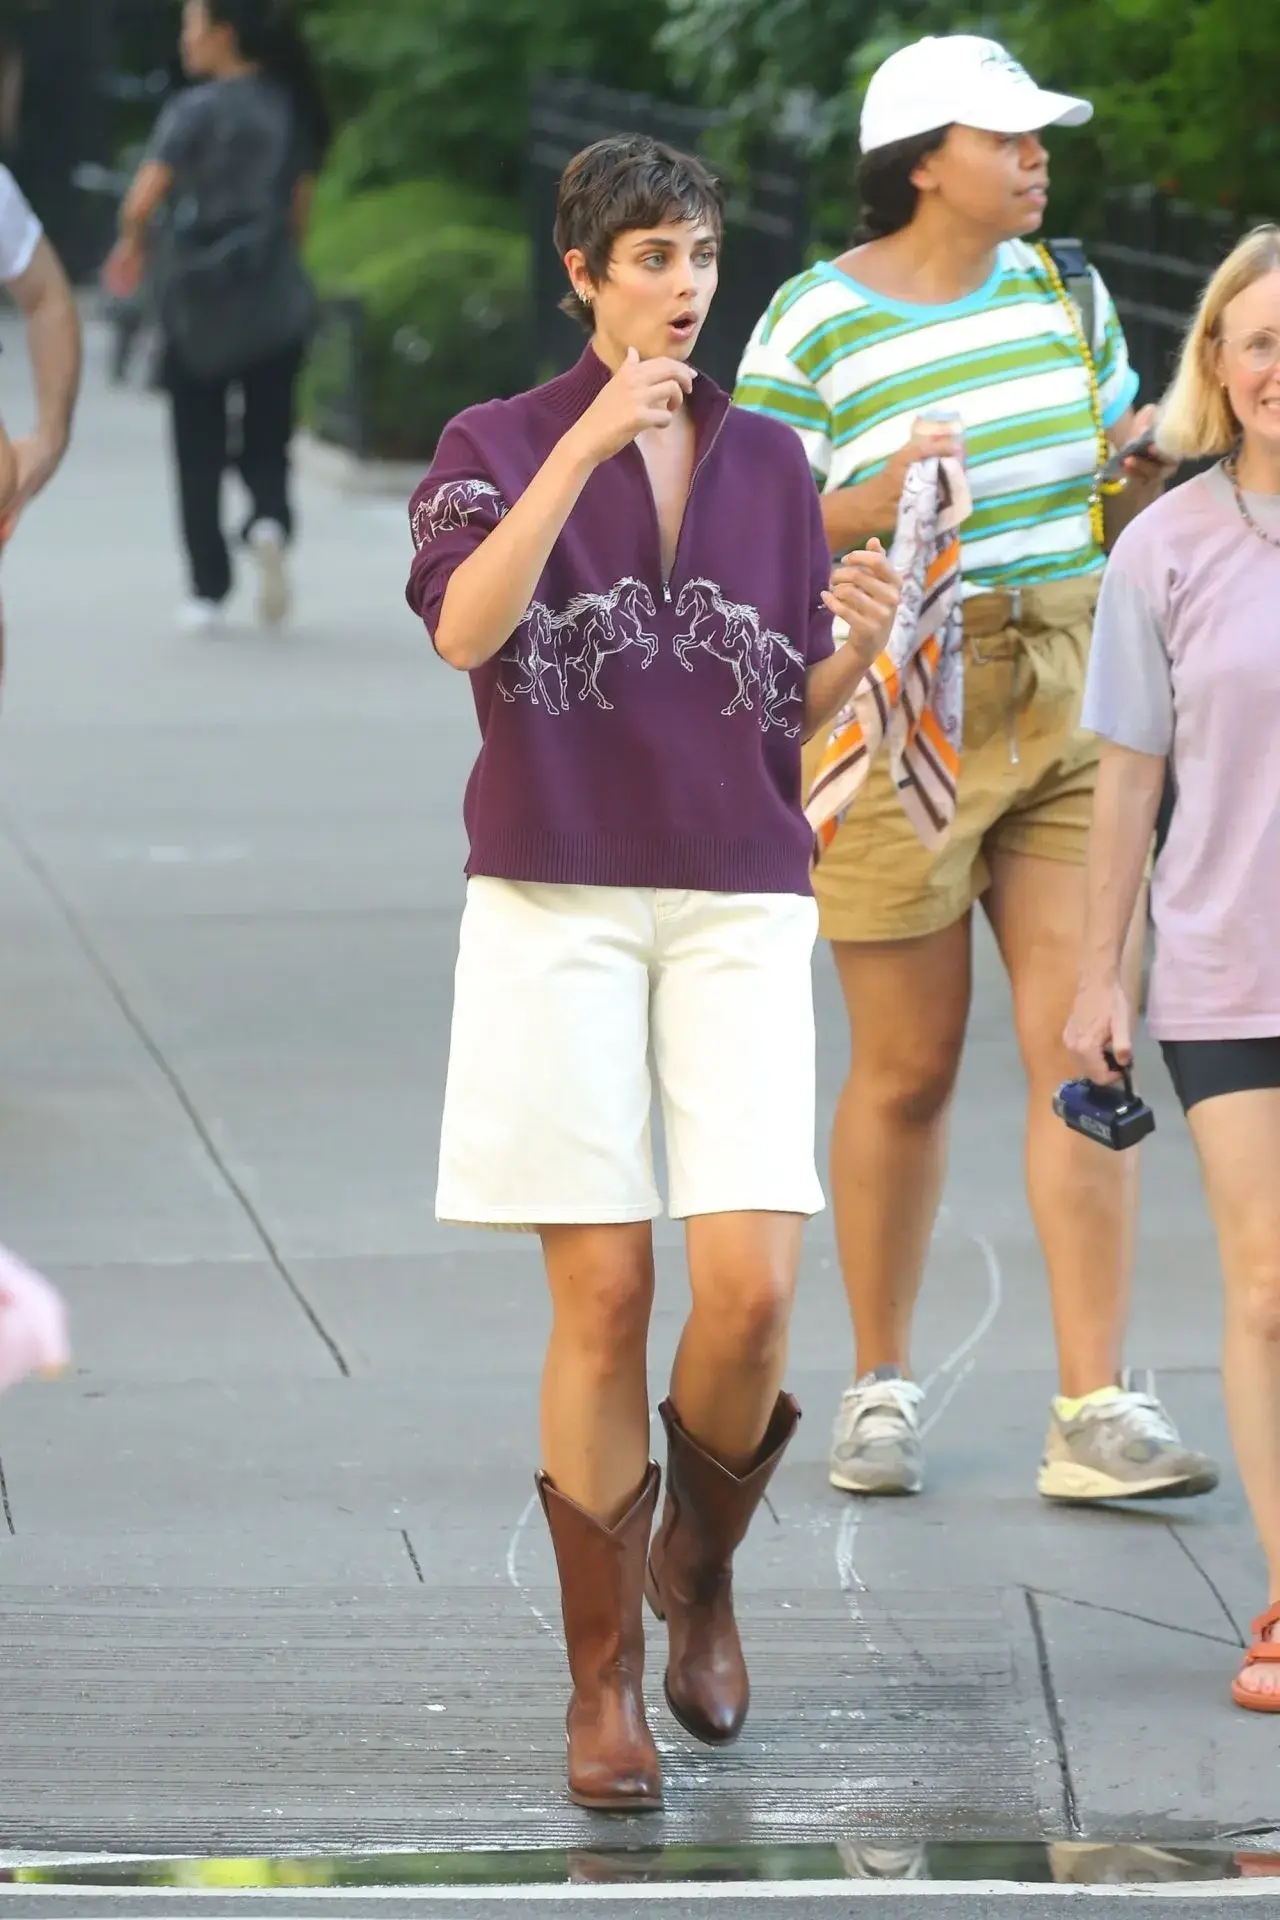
column 944, row 330
column 635, row 575
column 234, row 163
column 1185, row 674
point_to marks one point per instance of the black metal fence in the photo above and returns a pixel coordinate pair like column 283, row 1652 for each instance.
column 1155, row 255
column 766, row 226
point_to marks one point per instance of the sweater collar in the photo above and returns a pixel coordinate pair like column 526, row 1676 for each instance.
column 571, row 393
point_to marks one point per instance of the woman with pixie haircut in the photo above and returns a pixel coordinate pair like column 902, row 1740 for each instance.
column 634, row 574
column 1185, row 674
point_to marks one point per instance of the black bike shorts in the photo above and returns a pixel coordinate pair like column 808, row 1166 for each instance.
column 1204, row 1069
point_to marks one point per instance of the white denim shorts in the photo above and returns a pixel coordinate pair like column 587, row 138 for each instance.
column 572, row 1002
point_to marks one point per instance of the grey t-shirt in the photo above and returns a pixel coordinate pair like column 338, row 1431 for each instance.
column 1185, row 664
column 235, row 147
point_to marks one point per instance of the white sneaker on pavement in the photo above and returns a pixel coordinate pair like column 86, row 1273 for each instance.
column 876, row 1446
column 201, row 616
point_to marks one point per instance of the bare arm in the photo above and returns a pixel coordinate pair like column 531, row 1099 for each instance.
column 151, row 187
column 126, row 264
column 8, row 479
column 489, row 593
column 53, row 341
column 1125, row 804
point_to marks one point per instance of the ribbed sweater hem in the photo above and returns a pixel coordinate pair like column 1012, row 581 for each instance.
column 696, row 863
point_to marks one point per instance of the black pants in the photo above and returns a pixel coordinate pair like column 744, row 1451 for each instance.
column 202, row 452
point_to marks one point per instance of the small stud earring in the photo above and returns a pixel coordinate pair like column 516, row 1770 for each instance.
column 584, row 297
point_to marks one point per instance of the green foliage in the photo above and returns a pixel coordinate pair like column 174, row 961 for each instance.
column 441, row 86
column 446, row 306
column 1184, row 89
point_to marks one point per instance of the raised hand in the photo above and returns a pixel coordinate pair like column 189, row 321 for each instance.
column 864, row 593
column 641, row 394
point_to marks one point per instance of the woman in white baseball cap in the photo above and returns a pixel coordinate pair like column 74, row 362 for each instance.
column 946, row 329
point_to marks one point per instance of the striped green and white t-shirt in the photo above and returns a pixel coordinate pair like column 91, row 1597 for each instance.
column 851, row 369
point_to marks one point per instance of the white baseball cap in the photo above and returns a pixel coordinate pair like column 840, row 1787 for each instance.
column 959, row 78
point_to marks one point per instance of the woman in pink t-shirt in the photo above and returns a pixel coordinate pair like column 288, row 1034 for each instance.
column 1185, row 674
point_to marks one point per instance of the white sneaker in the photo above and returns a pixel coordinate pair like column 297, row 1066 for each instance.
column 876, row 1446
column 201, row 616
column 267, row 543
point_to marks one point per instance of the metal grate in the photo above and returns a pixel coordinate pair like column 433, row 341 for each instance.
column 261, row 1721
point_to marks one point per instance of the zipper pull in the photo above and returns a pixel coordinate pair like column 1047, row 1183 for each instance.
column 666, row 592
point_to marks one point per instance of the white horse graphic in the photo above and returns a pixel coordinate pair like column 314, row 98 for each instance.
column 776, row 653
column 534, row 650
column 605, row 624
column 727, row 631
column 454, row 505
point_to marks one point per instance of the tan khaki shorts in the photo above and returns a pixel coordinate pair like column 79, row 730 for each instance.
column 1026, row 776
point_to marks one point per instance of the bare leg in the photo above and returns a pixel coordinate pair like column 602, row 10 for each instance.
column 1083, row 1198
column 733, row 1352
column 595, row 1396
column 907, row 1004
column 1238, row 1139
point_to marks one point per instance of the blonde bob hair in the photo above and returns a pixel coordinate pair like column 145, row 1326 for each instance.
column 1197, row 420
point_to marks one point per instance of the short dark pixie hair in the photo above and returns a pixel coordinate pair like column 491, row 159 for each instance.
column 619, row 184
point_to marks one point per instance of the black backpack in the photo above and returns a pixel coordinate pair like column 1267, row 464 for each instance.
column 233, row 292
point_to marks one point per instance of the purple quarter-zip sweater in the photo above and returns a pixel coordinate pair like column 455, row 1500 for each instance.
column 638, row 731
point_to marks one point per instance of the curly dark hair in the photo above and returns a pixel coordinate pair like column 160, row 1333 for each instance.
column 888, row 201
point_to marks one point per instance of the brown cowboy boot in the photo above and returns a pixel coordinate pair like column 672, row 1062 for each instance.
column 690, row 1578
column 613, row 1763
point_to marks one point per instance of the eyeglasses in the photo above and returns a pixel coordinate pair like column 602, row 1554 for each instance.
column 1256, row 352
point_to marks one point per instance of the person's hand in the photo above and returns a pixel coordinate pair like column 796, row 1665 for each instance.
column 864, row 593
column 641, row 394
column 1148, row 472
column 1100, row 1023
column 930, row 440
column 124, row 267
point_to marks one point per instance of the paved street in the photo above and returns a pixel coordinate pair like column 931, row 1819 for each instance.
column 273, row 1580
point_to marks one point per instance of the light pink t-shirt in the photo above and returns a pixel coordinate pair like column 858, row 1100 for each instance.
column 1186, row 663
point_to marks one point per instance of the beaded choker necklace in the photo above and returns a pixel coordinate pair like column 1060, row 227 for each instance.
column 1231, row 467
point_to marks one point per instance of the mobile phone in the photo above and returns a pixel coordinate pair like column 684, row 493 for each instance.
column 1143, row 448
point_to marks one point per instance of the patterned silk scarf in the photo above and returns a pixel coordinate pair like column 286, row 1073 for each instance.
column 913, row 695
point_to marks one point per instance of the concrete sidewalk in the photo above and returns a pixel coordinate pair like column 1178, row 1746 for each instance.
column 273, row 1577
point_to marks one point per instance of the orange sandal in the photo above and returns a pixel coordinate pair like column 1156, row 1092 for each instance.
column 1262, row 1652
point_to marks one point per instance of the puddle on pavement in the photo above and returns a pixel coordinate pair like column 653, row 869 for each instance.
column 1072, row 1863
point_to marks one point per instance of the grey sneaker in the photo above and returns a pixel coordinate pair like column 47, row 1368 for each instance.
column 876, row 1446
column 267, row 545
column 1123, row 1449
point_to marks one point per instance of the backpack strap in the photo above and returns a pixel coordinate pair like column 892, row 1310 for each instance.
column 1072, row 262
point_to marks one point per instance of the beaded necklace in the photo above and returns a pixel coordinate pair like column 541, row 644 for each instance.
column 1231, row 467
column 1101, row 488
